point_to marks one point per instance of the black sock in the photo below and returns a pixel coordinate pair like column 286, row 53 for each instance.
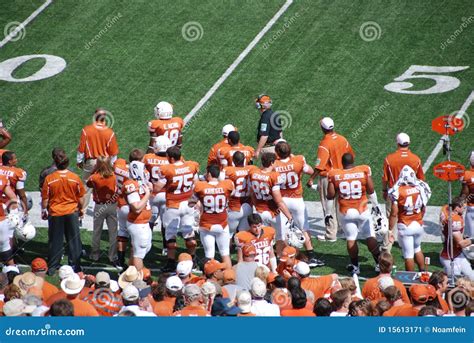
column 171, row 262
column 121, row 257
column 355, row 261
column 310, row 254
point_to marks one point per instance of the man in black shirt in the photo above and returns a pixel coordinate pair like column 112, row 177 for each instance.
column 269, row 128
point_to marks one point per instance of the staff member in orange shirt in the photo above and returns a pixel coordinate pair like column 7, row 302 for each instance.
column 103, row 184
column 97, row 140
column 330, row 151
column 392, row 166
column 62, row 204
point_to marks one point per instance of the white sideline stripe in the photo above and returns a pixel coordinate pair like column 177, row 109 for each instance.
column 26, row 22
column 235, row 64
column 439, row 146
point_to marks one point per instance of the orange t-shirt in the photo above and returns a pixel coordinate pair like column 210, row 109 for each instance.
column 394, row 311
column 192, row 311
column 214, row 198
column 49, row 289
column 83, row 308
column 239, row 176
column 319, row 286
column 63, row 189
column 330, row 151
column 163, row 308
column 371, row 290
column 351, row 185
column 408, row 311
column 134, row 193
column 410, row 205
column 153, row 163
column 468, row 180
column 262, row 184
column 98, row 140
column 225, row 154
column 212, row 157
column 282, row 266
column 121, row 175
column 103, row 189
column 457, row 226
column 290, row 170
column 170, row 128
column 301, row 312
column 262, row 244
column 179, row 178
column 394, row 163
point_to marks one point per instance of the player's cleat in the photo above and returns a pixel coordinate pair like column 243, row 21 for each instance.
column 377, row 268
column 314, row 262
column 324, row 239
column 353, row 269
column 117, row 266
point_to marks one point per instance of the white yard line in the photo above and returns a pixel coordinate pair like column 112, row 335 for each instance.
column 235, row 64
column 439, row 146
column 28, row 20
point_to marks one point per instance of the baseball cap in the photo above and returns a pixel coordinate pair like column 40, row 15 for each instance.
column 130, row 293
column 229, row 275
column 192, row 290
column 209, row 288
column 174, row 283
column 39, row 265
column 228, row 128
column 143, row 288
column 384, row 282
column 327, row 123
column 212, row 266
column 287, row 252
column 17, row 307
column 102, row 279
column 302, row 268
column 13, row 268
column 258, row 288
column 271, row 277
column 422, row 293
column 248, row 250
column 65, row 271
column 184, row 256
column 184, row 268
column 403, row 139
column 114, row 286
column 244, row 301
column 224, row 307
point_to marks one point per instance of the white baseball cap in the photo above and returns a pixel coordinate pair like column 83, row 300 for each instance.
column 184, row 268
column 244, row 301
column 228, row 128
column 384, row 282
column 302, row 268
column 174, row 283
column 12, row 268
column 327, row 123
column 258, row 288
column 65, row 272
column 403, row 139
column 130, row 293
column 471, row 159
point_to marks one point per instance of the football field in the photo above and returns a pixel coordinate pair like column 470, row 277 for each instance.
column 376, row 67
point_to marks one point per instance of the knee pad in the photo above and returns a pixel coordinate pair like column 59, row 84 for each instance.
column 190, row 243
column 171, row 244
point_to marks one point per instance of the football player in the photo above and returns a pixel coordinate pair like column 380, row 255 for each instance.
column 265, row 194
column 166, row 125
column 225, row 153
column 212, row 157
column 179, row 177
column 462, row 267
column 153, row 162
column 352, row 185
column 262, row 238
column 137, row 194
column 213, row 196
column 291, row 168
column 409, row 197
column 121, row 175
column 240, row 205
column 468, row 192
column 6, row 253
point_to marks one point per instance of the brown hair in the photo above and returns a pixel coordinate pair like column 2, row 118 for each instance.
column 348, row 283
column 385, row 262
column 381, row 307
column 12, row 292
column 283, row 149
column 62, row 308
column 437, row 278
column 136, row 155
column 61, row 160
column 104, row 167
column 267, row 159
column 339, row 298
column 392, row 294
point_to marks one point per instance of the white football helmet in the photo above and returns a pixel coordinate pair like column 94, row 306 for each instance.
column 380, row 225
column 14, row 219
column 161, row 144
column 25, row 232
column 469, row 252
column 295, row 236
column 163, row 110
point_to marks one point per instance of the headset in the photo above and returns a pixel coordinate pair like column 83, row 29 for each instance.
column 258, row 105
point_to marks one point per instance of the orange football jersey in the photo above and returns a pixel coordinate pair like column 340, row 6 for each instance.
column 226, row 153
column 351, row 185
column 212, row 157
column 15, row 175
column 179, row 178
column 263, row 183
column 170, row 128
column 121, row 175
column 330, row 151
column 3, row 184
column 262, row 244
column 153, row 163
column 291, row 170
column 410, row 205
column 457, row 225
column 239, row 176
column 468, row 179
column 214, row 198
column 131, row 187
column 394, row 163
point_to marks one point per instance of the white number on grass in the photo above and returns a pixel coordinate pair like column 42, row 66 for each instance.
column 53, row 66
column 443, row 83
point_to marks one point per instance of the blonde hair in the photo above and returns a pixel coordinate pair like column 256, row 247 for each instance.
column 104, row 167
column 262, row 273
column 348, row 283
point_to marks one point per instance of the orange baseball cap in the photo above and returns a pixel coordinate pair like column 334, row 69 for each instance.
column 229, row 275
column 249, row 249
column 271, row 277
column 39, row 265
column 184, row 256
column 422, row 293
column 212, row 266
column 287, row 252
